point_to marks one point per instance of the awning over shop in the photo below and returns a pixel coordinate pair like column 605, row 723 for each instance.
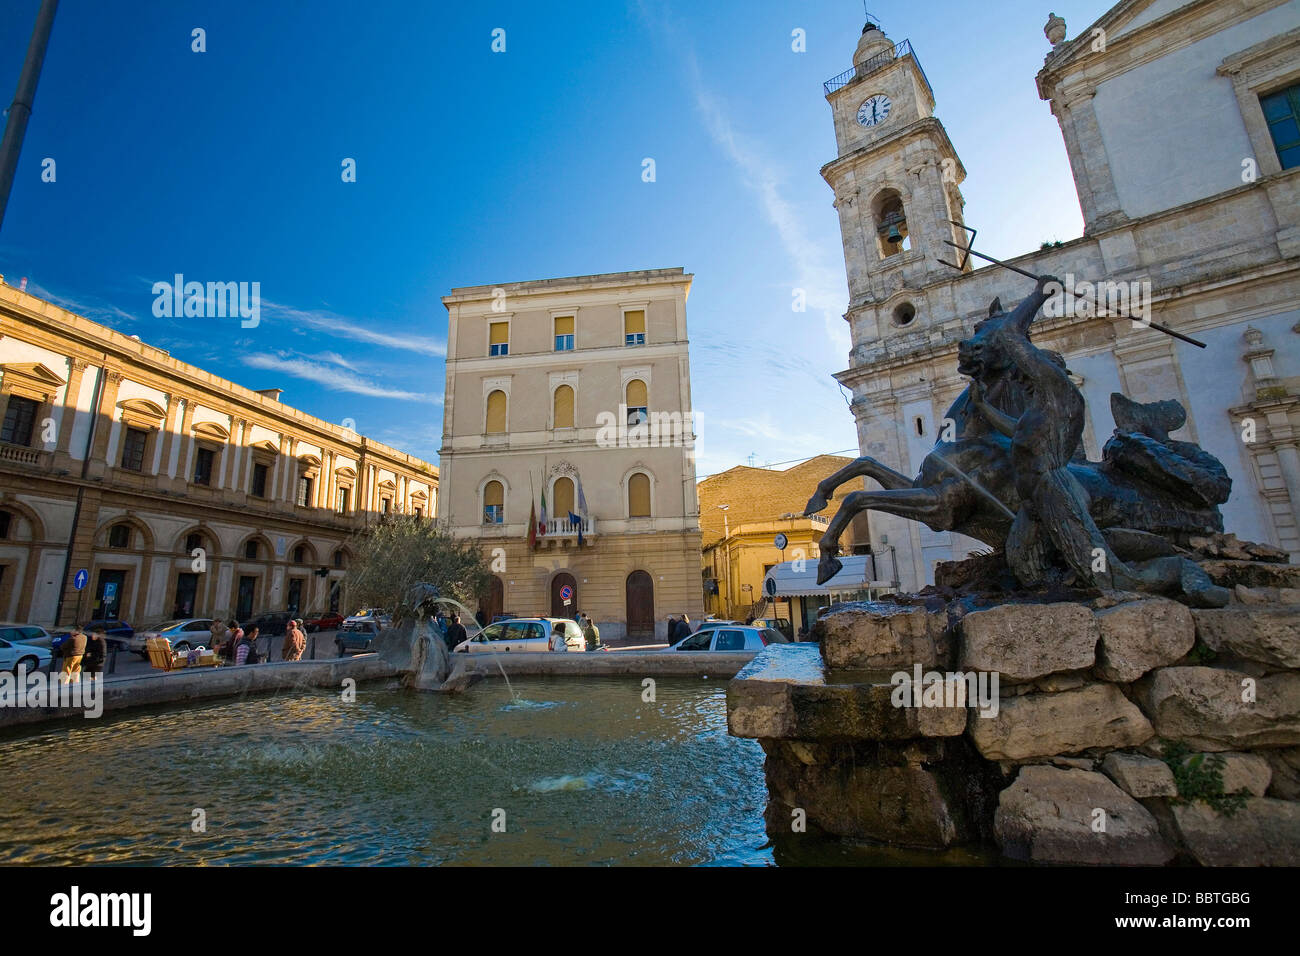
column 799, row 578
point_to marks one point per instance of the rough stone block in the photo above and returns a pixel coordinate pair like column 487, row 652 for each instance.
column 1050, row 815
column 1253, row 574
column 1248, row 772
column 1284, row 762
column 1045, row 725
column 884, row 636
column 1025, row 641
column 1265, row 832
column 1204, row 707
column 1270, row 635
column 1140, row 776
column 1141, row 636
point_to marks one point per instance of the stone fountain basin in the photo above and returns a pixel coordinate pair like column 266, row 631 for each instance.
column 788, row 693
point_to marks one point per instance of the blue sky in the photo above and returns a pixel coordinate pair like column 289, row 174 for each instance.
column 475, row 167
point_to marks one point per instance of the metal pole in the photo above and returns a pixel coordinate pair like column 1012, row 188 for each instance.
column 16, row 127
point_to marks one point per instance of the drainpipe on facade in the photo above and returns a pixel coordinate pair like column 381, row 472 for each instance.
column 81, row 490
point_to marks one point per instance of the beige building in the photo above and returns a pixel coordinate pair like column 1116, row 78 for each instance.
column 742, row 510
column 177, row 492
column 1179, row 119
column 578, row 390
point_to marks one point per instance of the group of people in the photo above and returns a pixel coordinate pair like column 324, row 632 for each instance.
column 83, row 654
column 679, row 628
column 233, row 644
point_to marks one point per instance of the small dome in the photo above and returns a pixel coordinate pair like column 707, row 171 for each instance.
column 872, row 43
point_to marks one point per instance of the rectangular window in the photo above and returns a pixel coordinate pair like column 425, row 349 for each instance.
column 638, row 415
column 20, row 418
column 564, row 333
column 493, row 514
column 342, row 505
column 203, row 466
column 303, row 497
column 1282, row 113
column 634, row 327
column 133, row 449
column 385, row 505
column 499, row 338
column 419, row 512
column 259, row 480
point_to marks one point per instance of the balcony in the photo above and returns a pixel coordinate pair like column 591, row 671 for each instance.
column 867, row 67
column 562, row 532
column 22, row 455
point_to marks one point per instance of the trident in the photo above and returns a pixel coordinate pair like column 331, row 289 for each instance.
column 967, row 251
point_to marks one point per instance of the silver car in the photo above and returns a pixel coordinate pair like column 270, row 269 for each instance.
column 183, row 635
column 737, row 637
column 29, row 634
column 526, row 634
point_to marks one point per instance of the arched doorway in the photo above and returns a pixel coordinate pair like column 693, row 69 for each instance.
column 640, row 605
column 493, row 602
column 558, row 584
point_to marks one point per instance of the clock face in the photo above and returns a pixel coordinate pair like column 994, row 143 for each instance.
column 874, row 110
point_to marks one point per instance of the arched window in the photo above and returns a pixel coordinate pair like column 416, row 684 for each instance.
column 638, row 402
column 638, row 496
column 119, row 536
column 564, row 407
column 891, row 224
column 192, row 541
column 494, row 497
column 496, row 413
column 563, row 496
column 299, row 554
column 5, row 518
column 250, row 550
column 338, row 558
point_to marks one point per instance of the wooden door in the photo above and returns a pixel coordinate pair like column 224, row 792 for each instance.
column 492, row 603
column 640, row 606
column 559, row 584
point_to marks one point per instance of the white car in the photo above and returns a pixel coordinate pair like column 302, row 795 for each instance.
column 538, row 634
column 30, row 658
column 737, row 637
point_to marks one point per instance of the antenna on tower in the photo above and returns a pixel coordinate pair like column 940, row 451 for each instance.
column 872, row 19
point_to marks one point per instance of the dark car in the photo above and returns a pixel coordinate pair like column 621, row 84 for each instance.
column 270, row 623
column 355, row 636
column 116, row 633
column 329, row 621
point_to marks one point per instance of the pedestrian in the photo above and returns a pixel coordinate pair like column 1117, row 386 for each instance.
column 455, row 633
column 558, row 642
column 246, row 651
column 481, row 618
column 218, row 631
column 590, row 632
column 680, row 630
column 294, row 643
column 73, row 649
column 92, row 661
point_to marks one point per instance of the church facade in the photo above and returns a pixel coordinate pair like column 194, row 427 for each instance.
column 1179, row 119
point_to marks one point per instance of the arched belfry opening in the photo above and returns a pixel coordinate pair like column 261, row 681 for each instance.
column 892, row 236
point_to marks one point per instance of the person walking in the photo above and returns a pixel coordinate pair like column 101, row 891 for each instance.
column 455, row 633
column 294, row 642
column 218, row 632
column 92, row 661
column 73, row 649
column 246, row 651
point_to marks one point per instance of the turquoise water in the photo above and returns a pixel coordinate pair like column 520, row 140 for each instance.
column 579, row 772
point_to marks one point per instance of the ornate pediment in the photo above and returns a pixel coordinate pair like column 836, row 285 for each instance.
column 211, row 431
column 31, row 380
column 142, row 413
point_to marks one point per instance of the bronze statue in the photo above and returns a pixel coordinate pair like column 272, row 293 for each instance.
column 1014, row 475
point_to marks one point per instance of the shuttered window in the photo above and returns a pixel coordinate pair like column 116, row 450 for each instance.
column 493, row 503
column 564, row 333
column 496, row 413
column 638, row 496
column 564, row 407
column 563, row 498
column 637, row 402
column 499, row 338
column 634, row 327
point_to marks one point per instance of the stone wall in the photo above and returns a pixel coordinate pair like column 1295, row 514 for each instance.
column 1070, row 757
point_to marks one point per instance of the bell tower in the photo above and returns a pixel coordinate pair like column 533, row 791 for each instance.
column 896, row 183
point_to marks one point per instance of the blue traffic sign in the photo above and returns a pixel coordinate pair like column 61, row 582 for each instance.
column 566, row 593
column 81, row 578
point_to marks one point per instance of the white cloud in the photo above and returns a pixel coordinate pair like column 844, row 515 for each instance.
column 350, row 329
column 331, row 377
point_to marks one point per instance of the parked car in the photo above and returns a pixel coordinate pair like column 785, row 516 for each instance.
column 183, row 635
column 329, row 621
column 782, row 624
column 355, row 635
column 270, row 623
column 14, row 655
column 117, row 633
column 523, row 634
column 731, row 638
column 711, row 623
column 29, row 634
